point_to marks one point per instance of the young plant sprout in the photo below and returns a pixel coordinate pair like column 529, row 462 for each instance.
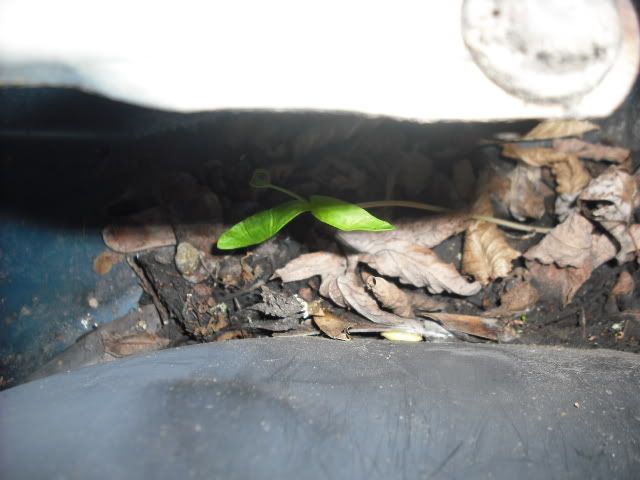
column 332, row 211
column 264, row 225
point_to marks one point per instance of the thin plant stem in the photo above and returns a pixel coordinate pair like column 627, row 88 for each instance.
column 436, row 208
column 283, row 190
column 405, row 204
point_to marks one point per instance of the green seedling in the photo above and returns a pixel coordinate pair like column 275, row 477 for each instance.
column 332, row 211
column 264, row 225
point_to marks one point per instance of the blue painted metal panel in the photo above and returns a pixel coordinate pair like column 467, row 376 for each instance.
column 46, row 283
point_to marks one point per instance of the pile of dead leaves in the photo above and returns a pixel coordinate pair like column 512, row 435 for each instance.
column 395, row 282
column 390, row 278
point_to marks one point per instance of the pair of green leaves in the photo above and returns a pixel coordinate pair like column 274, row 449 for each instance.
column 264, row 225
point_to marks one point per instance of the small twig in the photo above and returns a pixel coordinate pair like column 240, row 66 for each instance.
column 147, row 287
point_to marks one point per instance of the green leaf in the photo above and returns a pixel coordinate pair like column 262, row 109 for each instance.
column 261, row 226
column 346, row 216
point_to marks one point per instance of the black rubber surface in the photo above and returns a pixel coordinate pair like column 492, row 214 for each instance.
column 314, row 408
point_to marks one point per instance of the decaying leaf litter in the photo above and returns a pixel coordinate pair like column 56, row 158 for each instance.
column 458, row 275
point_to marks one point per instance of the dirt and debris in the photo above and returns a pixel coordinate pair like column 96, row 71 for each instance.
column 451, row 276
column 444, row 277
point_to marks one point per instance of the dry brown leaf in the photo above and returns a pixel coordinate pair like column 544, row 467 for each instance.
column 104, row 262
column 329, row 289
column 557, row 283
column 534, row 156
column 487, row 255
column 520, row 297
column 592, row 151
column 559, row 128
column 625, row 285
column 312, row 264
column 427, row 233
column 402, row 303
column 568, row 244
column 566, row 257
column 565, row 205
column 143, row 231
column 339, row 325
column 328, row 265
column 421, row 267
column 612, row 196
column 571, row 176
column 627, row 238
column 482, row 327
column 604, row 249
column 360, row 301
column 333, row 326
column 611, row 199
column 133, row 344
column 232, row 335
column 526, row 193
column 562, row 283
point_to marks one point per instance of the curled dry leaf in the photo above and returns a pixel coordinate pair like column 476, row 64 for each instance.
column 333, row 326
column 559, row 284
column 566, row 257
column 565, row 205
column 118, row 346
column 592, row 151
column 328, row 265
column 568, row 244
column 419, row 266
column 427, row 233
column 402, row 303
column 520, row 297
column 571, row 176
column 524, row 198
column 360, row 301
column 559, row 128
column 612, row 196
column 338, row 325
column 482, row 327
column 611, row 199
column 627, row 238
column 487, row 255
column 143, row 231
column 311, row 264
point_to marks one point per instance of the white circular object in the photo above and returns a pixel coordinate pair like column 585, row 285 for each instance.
column 543, row 50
